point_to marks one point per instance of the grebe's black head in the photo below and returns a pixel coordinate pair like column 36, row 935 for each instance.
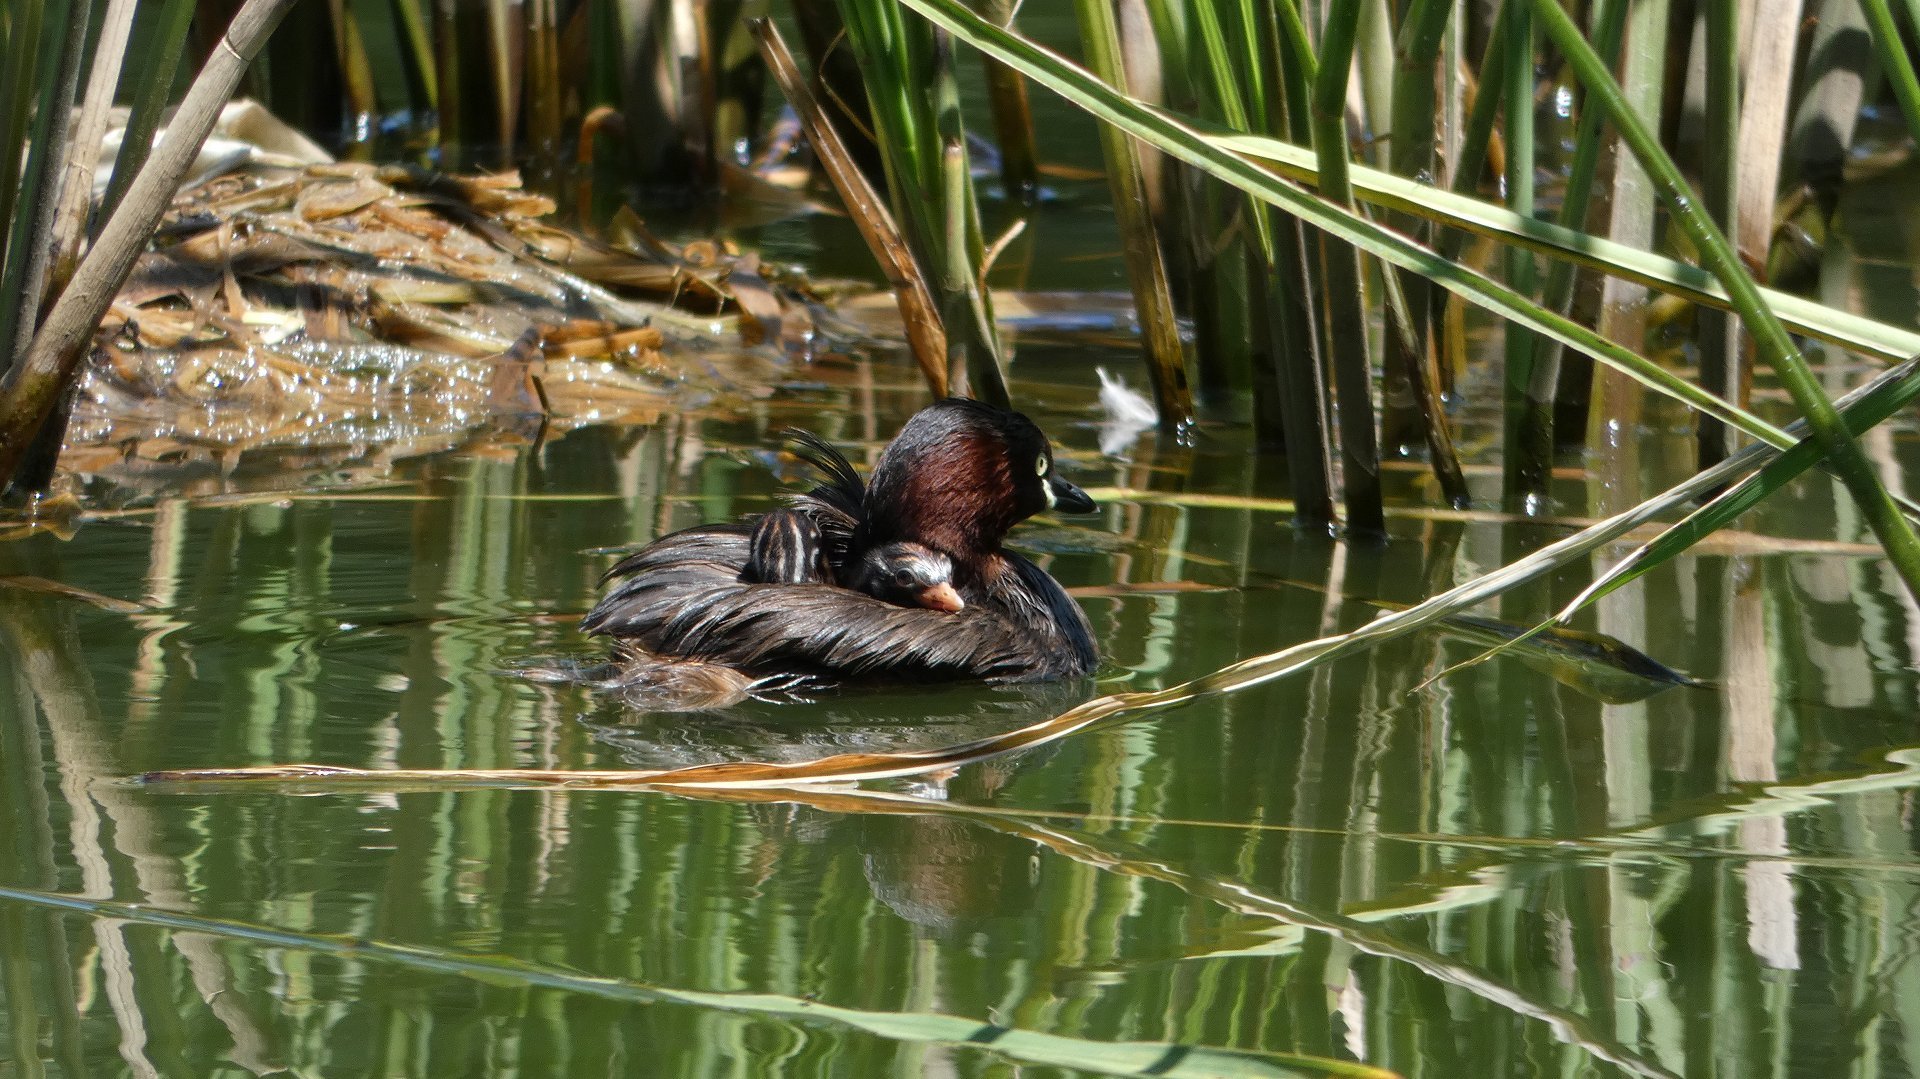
column 907, row 575
column 959, row 475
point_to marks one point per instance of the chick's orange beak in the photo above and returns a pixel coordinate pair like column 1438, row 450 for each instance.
column 941, row 597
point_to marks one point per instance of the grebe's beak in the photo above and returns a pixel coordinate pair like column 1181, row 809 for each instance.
column 1067, row 498
column 941, row 597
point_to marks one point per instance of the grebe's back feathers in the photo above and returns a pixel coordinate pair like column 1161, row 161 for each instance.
column 716, row 545
column 697, row 610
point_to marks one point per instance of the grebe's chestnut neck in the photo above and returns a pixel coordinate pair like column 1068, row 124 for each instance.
column 960, row 475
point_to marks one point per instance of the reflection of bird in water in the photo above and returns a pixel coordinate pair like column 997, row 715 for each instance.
column 944, row 875
column 877, row 720
column 958, row 477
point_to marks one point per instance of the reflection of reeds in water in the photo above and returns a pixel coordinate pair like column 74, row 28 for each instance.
column 1304, row 868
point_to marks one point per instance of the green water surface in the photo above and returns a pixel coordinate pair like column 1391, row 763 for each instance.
column 1492, row 875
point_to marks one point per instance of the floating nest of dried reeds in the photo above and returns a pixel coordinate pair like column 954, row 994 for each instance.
column 335, row 311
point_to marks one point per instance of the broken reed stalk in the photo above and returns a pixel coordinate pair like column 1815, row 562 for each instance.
column 1139, row 242
column 926, row 335
column 33, row 387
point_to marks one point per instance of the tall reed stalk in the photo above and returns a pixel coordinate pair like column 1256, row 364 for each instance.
column 1347, row 348
column 1523, row 458
column 1723, row 371
column 914, row 99
column 1146, row 266
column 1531, row 455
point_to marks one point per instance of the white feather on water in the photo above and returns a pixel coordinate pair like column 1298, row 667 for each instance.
column 1128, row 414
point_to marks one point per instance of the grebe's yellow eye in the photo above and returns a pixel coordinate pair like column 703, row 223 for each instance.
column 1040, row 466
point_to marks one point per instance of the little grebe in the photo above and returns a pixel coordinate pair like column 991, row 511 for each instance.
column 763, row 596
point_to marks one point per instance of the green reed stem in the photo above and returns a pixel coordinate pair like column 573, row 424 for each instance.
column 32, row 226
column 1280, row 280
column 1206, row 252
column 155, row 61
column 1287, row 296
column 1012, row 116
column 1480, row 119
column 1347, row 349
column 1896, row 61
column 915, row 104
column 16, row 82
column 968, row 304
column 1522, row 460
column 1535, row 433
column 420, row 47
column 1723, row 371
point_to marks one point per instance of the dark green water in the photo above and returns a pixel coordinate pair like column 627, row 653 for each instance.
column 1492, row 876
column 1489, row 876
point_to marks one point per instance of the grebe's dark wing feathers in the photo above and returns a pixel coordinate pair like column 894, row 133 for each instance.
column 1057, row 622
column 719, row 544
column 818, row 627
column 683, row 597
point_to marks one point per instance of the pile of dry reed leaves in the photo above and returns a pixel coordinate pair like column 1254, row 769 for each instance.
column 329, row 312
